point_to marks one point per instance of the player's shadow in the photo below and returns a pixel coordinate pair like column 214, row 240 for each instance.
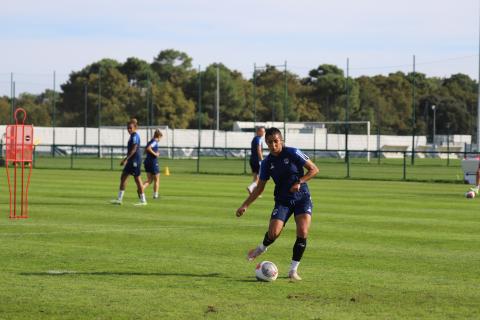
column 126, row 273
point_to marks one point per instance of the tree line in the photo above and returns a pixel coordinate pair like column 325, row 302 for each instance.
column 169, row 90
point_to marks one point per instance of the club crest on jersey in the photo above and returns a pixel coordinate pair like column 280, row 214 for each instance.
column 271, row 166
column 286, row 161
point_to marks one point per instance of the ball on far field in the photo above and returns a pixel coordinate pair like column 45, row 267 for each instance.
column 266, row 271
column 470, row 195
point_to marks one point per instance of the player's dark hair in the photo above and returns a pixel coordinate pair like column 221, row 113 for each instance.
column 272, row 131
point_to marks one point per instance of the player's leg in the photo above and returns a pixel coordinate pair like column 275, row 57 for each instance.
column 303, row 224
column 477, row 182
column 156, row 185
column 123, row 181
column 274, row 230
column 149, row 180
column 121, row 191
column 303, row 219
column 254, row 165
column 254, row 183
column 280, row 216
column 141, row 194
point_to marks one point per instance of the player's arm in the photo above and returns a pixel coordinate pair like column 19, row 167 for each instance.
column 312, row 171
column 149, row 150
column 131, row 154
column 260, row 152
column 252, row 197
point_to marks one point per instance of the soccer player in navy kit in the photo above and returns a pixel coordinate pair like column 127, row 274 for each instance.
column 256, row 156
column 132, row 163
column 151, row 163
column 285, row 166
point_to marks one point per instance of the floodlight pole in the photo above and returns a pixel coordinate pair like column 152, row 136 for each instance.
column 12, row 97
column 434, row 125
column 347, row 106
column 199, row 117
column 147, row 98
column 414, row 121
column 217, row 98
column 53, row 116
column 254, row 95
column 285, row 104
column 152, row 101
column 99, row 107
column 85, row 87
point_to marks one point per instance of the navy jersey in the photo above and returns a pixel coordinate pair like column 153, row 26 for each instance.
column 134, row 140
column 154, row 145
column 285, row 169
column 257, row 141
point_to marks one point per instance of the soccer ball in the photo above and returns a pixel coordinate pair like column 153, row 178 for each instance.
column 266, row 271
column 470, row 195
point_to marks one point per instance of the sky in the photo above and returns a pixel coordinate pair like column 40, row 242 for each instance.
column 378, row 36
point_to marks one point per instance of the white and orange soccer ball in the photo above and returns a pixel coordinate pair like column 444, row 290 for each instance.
column 266, row 271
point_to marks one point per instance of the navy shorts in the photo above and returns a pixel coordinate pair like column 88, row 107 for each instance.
column 255, row 165
column 152, row 167
column 132, row 168
column 283, row 211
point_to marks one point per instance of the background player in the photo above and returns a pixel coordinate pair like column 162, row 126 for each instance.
column 285, row 165
column 256, row 156
column 151, row 163
column 476, row 188
column 132, row 163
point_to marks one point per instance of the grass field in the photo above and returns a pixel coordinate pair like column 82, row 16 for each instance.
column 426, row 170
column 377, row 250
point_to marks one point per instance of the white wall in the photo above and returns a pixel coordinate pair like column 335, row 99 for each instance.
column 222, row 139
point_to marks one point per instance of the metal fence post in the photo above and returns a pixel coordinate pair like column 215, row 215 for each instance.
column 34, row 157
column 244, row 161
column 448, row 151
column 404, row 165
column 348, row 162
column 111, row 158
column 198, row 160
column 71, row 157
column 173, row 143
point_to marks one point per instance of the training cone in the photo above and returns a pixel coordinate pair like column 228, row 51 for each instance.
column 166, row 171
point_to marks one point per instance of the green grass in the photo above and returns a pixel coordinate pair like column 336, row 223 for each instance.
column 376, row 250
column 426, row 170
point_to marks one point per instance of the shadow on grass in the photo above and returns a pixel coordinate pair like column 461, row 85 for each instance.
column 252, row 279
column 57, row 273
